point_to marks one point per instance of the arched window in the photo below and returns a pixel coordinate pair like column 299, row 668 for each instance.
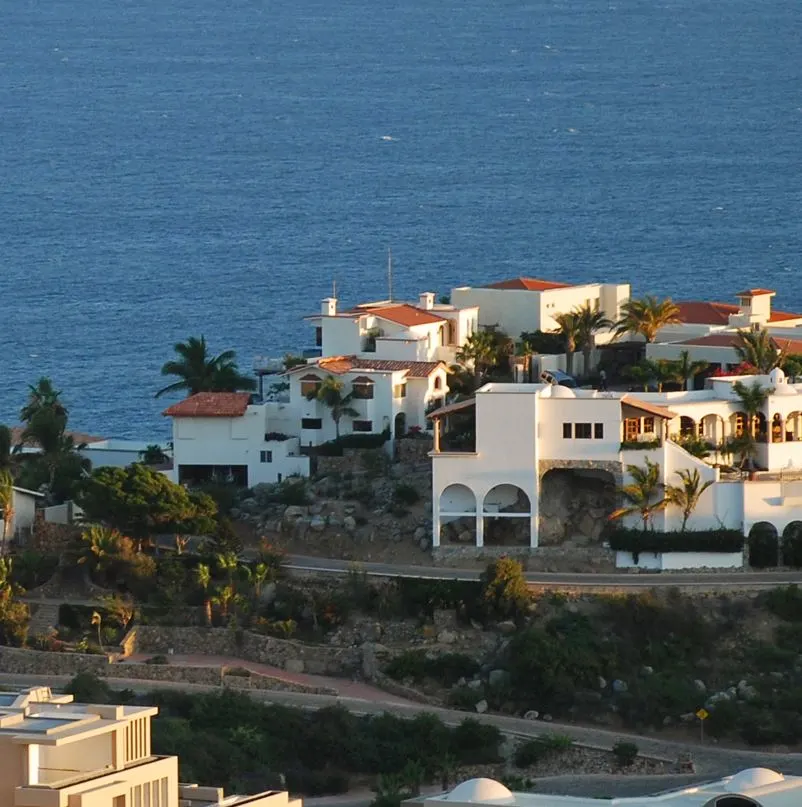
column 438, row 382
column 687, row 426
column 362, row 387
column 777, row 435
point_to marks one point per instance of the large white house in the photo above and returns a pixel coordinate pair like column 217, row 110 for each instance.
column 530, row 304
column 535, row 443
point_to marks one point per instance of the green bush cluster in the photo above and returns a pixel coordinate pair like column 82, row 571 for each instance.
column 629, row 540
column 530, row 752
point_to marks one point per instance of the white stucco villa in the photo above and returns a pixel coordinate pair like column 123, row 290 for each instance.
column 533, row 440
column 754, row 787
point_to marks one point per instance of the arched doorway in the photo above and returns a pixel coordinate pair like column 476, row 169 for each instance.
column 763, row 545
column 575, row 505
column 687, row 427
column 457, row 519
column 507, row 514
column 777, row 430
column 792, row 545
column 400, row 425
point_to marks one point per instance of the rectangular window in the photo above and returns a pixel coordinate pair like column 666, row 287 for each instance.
column 363, row 391
column 400, row 391
column 309, row 388
column 266, row 456
column 648, row 425
column 318, row 337
column 567, row 431
column 362, row 425
column 582, row 431
column 631, row 429
column 598, row 431
column 311, row 423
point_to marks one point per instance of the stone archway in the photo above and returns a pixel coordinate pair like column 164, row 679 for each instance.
column 507, row 515
column 575, row 505
column 457, row 518
column 763, row 545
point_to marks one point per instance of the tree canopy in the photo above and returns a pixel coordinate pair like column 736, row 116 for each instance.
column 141, row 502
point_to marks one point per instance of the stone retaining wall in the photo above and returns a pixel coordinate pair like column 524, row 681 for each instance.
column 283, row 653
column 414, row 450
column 19, row 661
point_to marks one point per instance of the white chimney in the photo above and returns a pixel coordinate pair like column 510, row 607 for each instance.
column 426, row 301
column 328, row 307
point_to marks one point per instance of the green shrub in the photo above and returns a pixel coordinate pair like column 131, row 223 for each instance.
column 476, row 743
column 88, row 688
column 160, row 659
column 530, row 752
column 631, row 540
column 625, row 753
column 504, row 589
column 317, row 783
column 785, row 602
column 405, row 494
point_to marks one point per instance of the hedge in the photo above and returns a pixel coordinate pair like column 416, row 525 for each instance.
column 627, row 540
column 334, row 448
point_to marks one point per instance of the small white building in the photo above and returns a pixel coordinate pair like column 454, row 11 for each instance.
column 754, row 787
column 223, row 435
column 24, row 505
column 397, row 331
column 534, row 443
column 530, row 304
column 390, row 395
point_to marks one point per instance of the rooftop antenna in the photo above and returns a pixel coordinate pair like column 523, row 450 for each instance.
column 334, row 288
column 390, row 274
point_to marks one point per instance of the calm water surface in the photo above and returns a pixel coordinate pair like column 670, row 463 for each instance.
column 172, row 168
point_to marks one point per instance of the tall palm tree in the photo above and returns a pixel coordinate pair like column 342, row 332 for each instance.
column 199, row 371
column 203, row 577
column 6, row 505
column 642, row 494
column 647, row 316
column 330, row 394
column 589, row 321
column 568, row 323
column 687, row 369
column 752, row 398
column 478, row 350
column 43, row 395
column 686, row 495
column 760, row 350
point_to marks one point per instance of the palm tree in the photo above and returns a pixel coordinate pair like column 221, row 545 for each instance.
column 258, row 575
column 569, row 330
column 6, row 440
column 687, row 369
column 589, row 321
column 100, row 546
column 752, row 398
column 687, row 494
column 478, row 350
column 6, row 504
column 224, row 598
column 641, row 493
column 198, row 371
column 43, row 395
column 647, row 316
column 330, row 394
column 119, row 609
column 389, row 791
column 203, row 577
column 642, row 373
column 760, row 350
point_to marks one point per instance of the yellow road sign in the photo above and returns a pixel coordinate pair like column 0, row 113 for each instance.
column 703, row 714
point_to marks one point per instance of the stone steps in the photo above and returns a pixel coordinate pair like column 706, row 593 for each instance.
column 44, row 618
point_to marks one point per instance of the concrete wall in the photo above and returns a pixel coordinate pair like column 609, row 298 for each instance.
column 553, row 412
column 24, row 505
column 666, row 561
column 341, row 336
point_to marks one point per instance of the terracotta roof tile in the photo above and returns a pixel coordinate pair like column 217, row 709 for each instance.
column 78, row 437
column 211, row 405
column 527, row 284
column 730, row 340
column 403, row 314
column 347, row 364
column 698, row 312
column 755, row 292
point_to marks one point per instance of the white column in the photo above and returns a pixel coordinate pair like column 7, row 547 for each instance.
column 480, row 528
column 33, row 764
column 435, row 521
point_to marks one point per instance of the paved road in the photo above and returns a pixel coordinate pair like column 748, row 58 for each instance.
column 700, row 580
column 711, row 761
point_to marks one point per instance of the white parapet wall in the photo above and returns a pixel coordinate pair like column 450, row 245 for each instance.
column 665, row 561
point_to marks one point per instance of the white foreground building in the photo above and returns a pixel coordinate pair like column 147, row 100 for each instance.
column 755, row 787
column 533, row 441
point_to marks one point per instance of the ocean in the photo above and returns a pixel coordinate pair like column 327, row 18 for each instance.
column 174, row 168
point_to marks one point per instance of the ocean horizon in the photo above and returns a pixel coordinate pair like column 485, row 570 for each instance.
column 174, row 169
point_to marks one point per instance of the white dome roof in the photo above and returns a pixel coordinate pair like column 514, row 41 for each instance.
column 751, row 779
column 559, row 391
column 481, row 790
column 780, row 383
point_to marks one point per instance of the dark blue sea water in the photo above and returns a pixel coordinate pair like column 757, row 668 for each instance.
column 176, row 167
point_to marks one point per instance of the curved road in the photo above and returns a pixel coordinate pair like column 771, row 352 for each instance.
column 588, row 580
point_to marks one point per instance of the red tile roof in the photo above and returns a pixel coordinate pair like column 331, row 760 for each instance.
column 527, row 284
column 705, row 313
column 78, row 437
column 211, row 405
column 347, row 364
column 793, row 346
column 402, row 314
column 755, row 292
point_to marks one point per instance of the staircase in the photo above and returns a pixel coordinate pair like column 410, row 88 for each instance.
column 44, row 617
